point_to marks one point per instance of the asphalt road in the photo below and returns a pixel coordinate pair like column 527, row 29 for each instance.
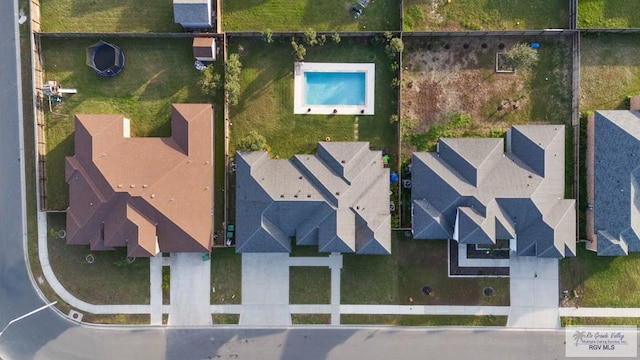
column 48, row 335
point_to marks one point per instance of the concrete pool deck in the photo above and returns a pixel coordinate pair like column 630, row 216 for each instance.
column 301, row 107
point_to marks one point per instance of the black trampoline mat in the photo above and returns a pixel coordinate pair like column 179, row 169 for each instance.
column 104, row 57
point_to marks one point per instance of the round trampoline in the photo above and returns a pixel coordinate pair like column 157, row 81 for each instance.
column 106, row 59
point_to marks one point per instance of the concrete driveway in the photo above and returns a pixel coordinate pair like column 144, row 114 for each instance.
column 534, row 293
column 190, row 289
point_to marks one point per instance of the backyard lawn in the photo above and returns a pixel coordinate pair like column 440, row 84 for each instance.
column 609, row 70
column 266, row 98
column 158, row 72
column 108, row 280
column 601, row 281
column 107, row 16
column 330, row 15
column 412, row 265
column 608, row 14
column 420, row 15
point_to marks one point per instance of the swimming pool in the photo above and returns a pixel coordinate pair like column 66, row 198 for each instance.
column 334, row 88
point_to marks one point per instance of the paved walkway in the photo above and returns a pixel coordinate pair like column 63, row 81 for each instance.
column 189, row 298
column 155, row 289
column 265, row 290
column 534, row 293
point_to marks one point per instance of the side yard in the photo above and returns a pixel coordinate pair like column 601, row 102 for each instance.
column 420, row 15
column 600, row 281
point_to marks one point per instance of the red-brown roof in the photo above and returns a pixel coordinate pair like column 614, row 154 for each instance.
column 127, row 191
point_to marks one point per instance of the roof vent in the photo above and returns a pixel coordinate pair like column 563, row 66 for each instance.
column 295, row 196
column 337, row 192
column 171, row 199
column 90, row 204
column 145, row 186
column 119, row 185
column 132, row 186
column 342, row 161
column 300, row 177
column 153, row 195
column 308, row 195
column 281, row 195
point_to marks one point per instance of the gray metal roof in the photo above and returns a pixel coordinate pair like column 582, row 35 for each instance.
column 472, row 191
column 192, row 13
column 617, row 166
column 337, row 200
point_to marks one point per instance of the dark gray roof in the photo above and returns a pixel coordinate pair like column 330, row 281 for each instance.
column 472, row 191
column 337, row 200
column 192, row 13
column 617, row 166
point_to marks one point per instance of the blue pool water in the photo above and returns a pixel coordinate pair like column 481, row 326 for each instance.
column 334, row 88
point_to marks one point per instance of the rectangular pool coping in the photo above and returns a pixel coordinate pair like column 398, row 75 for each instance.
column 299, row 106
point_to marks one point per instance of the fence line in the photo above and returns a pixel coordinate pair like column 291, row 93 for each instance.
column 38, row 104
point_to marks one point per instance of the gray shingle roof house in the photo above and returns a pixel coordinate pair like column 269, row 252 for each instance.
column 193, row 14
column 474, row 192
column 337, row 199
column 617, row 181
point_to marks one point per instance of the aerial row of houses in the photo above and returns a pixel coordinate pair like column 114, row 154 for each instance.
column 154, row 195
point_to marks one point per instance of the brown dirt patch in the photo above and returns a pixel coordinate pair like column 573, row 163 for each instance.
column 438, row 82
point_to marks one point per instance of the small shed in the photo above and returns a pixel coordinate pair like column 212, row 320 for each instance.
column 193, row 14
column 204, row 48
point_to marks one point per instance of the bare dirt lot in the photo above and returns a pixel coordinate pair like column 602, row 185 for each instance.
column 446, row 77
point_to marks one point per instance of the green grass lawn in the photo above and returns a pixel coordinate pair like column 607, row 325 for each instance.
column 309, row 285
column 608, row 14
column 420, row 15
column 609, row 70
column 602, row 281
column 226, row 276
column 158, row 72
column 109, row 280
column 424, row 320
column 266, row 99
column 107, row 16
column 413, row 264
column 330, row 15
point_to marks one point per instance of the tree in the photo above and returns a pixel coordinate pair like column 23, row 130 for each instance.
column 232, row 78
column 394, row 47
column 521, row 56
column 267, row 35
column 209, row 81
column 253, row 142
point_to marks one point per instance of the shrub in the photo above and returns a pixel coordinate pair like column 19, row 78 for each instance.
column 253, row 142
column 336, row 38
column 298, row 49
column 232, row 78
column 394, row 47
column 209, row 81
column 310, row 38
column 267, row 36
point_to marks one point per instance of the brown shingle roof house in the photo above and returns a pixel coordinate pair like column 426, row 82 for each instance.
column 149, row 194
